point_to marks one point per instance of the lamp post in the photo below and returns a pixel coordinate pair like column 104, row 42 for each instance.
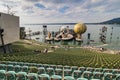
column 44, row 32
column 2, row 41
column 111, row 35
column 88, row 42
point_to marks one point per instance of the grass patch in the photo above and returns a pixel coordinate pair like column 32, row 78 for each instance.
column 23, row 52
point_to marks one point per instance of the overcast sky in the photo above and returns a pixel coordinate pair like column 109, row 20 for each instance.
column 52, row 11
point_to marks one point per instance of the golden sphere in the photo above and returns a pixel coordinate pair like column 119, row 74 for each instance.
column 80, row 28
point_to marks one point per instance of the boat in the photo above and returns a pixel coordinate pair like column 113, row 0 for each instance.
column 69, row 37
column 78, row 39
column 57, row 39
column 49, row 39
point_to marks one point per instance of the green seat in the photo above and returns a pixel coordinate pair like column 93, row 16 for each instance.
column 59, row 66
column 25, row 69
column 41, row 70
column 56, row 77
column 14, row 63
column 32, row 76
column 2, row 66
column 46, row 66
column 87, row 74
column 9, row 67
column 17, row 68
column 82, row 79
column 44, row 77
column 109, row 76
column 116, row 71
column 97, row 75
column 107, row 70
column 50, row 71
column 117, row 76
column 39, row 65
column 53, row 66
column 26, row 64
column 10, row 75
column 33, row 64
column 98, row 70
column 69, row 78
column 2, row 74
column 90, row 69
column 67, row 67
column 82, row 69
column 74, row 68
column 67, row 72
column 20, row 63
column 58, row 72
column 77, row 74
column 21, row 76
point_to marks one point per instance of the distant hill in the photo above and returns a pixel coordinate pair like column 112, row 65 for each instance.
column 113, row 21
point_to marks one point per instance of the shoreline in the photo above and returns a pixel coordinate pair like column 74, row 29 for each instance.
column 100, row 49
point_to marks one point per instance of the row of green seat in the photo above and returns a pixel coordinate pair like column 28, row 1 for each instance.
column 17, row 64
column 12, row 75
column 69, row 72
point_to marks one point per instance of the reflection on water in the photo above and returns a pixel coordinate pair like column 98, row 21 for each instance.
column 94, row 30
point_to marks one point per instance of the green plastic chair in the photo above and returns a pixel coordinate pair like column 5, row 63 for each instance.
column 2, row 74
column 39, row 65
column 17, row 68
column 25, row 69
column 41, row 70
column 58, row 72
column 33, row 64
column 26, row 64
column 67, row 72
column 90, row 69
column 20, row 63
column 116, row 71
column 82, row 69
column 69, row 78
column 82, row 79
column 9, row 67
column 32, row 76
column 21, row 76
column 67, row 67
column 53, row 66
column 117, row 76
column 10, row 75
column 56, row 77
column 13, row 63
column 77, row 74
column 109, row 76
column 87, row 74
column 46, row 66
column 2, row 67
column 50, row 71
column 44, row 77
column 59, row 66
column 74, row 68
column 97, row 75
column 107, row 70
column 98, row 70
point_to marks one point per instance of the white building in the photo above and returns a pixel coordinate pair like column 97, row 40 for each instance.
column 10, row 24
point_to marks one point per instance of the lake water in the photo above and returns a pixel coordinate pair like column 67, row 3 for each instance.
column 94, row 30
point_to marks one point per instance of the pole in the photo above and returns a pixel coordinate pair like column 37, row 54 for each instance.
column 1, row 36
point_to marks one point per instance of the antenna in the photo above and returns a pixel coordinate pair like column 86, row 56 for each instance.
column 9, row 10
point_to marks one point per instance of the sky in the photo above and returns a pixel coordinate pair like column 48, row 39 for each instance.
column 62, row 11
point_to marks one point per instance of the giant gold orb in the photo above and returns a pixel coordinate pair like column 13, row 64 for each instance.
column 80, row 28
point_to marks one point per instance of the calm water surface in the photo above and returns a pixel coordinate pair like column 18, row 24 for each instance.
column 94, row 30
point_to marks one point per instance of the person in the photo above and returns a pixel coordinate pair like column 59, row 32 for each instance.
column 68, row 31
